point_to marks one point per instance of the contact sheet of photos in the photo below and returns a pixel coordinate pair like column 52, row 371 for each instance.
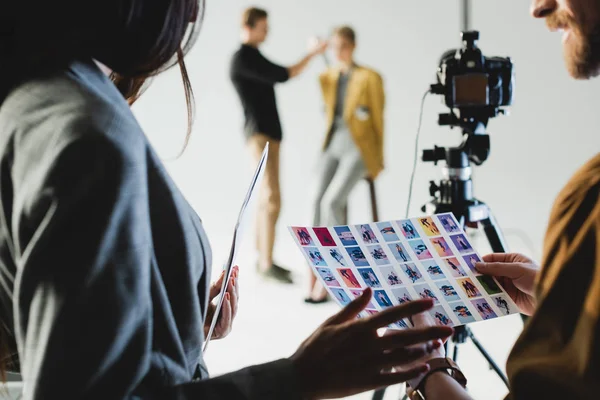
column 425, row 257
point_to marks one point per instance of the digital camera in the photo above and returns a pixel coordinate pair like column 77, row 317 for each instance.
column 469, row 80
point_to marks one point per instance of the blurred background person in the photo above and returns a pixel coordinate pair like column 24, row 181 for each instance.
column 353, row 149
column 254, row 78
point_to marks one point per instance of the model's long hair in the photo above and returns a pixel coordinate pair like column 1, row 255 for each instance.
column 136, row 39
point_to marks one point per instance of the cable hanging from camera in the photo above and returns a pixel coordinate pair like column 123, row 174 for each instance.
column 416, row 156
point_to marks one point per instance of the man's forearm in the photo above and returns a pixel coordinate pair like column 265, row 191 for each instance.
column 441, row 386
column 297, row 69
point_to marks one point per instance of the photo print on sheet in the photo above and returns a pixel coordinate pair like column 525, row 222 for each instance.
column 412, row 272
column 340, row 296
column 441, row 247
column 401, row 295
column 315, row 256
column 408, row 229
column 489, row 284
column 391, row 276
column 483, row 307
column 387, row 231
column 382, row 298
column 461, row 243
column 468, row 288
column 303, row 236
column 426, row 292
column 453, row 266
column 429, row 226
column 503, row 304
column 328, row 277
column 345, row 235
column 462, row 312
column 368, row 236
column 324, row 237
column 470, row 260
column 338, row 257
column 349, row 278
column 420, row 249
column 369, row 277
column 357, row 256
column 399, row 252
column 434, row 270
column 449, row 223
column 378, row 255
column 448, row 291
column 357, row 293
column 440, row 316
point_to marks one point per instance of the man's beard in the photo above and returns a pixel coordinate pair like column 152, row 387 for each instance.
column 582, row 48
column 582, row 55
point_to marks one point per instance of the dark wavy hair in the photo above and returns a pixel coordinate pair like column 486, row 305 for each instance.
column 136, row 39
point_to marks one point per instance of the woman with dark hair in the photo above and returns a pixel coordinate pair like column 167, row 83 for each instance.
column 104, row 266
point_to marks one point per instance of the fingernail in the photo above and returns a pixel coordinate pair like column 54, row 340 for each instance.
column 228, row 297
column 233, row 282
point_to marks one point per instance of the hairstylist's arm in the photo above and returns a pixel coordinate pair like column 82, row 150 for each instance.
column 516, row 273
column 315, row 48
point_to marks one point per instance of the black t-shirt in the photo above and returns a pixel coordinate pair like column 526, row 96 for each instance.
column 254, row 78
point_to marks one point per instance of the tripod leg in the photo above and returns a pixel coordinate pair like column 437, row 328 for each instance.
column 489, row 359
column 455, row 353
column 493, row 234
column 378, row 394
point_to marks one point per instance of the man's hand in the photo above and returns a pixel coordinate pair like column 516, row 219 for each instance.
column 516, row 273
column 345, row 356
column 228, row 309
column 317, row 46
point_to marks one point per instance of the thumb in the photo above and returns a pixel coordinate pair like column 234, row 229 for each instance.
column 500, row 269
column 351, row 310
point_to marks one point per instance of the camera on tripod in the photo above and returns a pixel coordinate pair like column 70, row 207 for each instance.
column 475, row 88
column 470, row 81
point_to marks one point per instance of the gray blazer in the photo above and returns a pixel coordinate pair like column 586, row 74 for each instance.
column 104, row 266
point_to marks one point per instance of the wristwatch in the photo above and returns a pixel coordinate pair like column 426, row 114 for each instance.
column 435, row 365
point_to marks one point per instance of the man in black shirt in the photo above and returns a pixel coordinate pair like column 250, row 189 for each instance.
column 254, row 78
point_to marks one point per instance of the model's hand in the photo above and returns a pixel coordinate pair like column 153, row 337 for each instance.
column 228, row 309
column 346, row 356
column 317, row 46
column 516, row 273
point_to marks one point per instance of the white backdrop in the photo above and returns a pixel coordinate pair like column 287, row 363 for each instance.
column 551, row 131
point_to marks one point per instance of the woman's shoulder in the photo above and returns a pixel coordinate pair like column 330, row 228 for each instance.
column 75, row 105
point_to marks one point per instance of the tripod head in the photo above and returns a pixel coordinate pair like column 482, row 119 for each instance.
column 474, row 148
column 454, row 193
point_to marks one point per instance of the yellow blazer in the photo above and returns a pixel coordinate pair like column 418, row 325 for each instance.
column 363, row 112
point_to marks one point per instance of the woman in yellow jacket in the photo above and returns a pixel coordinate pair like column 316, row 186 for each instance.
column 353, row 149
